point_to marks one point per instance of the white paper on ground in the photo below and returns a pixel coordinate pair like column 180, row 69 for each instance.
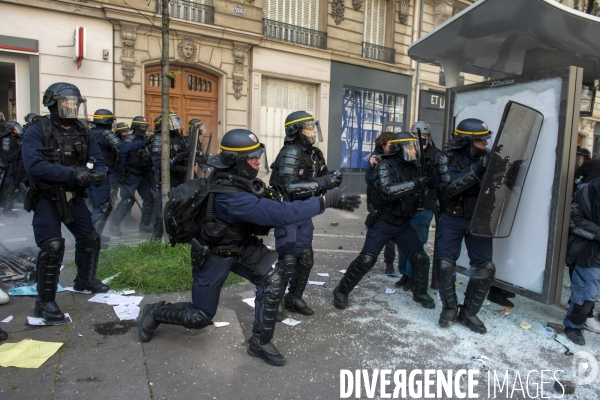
column 116, row 299
column 316, row 283
column 323, row 273
column 220, row 324
column 41, row 321
column 128, row 292
column 249, row 301
column 389, row 291
column 343, row 271
column 7, row 319
column 70, row 289
column 127, row 311
column 291, row 322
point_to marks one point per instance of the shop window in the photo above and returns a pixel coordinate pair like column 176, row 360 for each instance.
column 363, row 114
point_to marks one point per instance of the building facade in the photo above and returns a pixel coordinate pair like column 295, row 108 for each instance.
column 238, row 64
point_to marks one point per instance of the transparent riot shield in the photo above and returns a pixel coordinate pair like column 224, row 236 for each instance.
column 504, row 179
column 193, row 145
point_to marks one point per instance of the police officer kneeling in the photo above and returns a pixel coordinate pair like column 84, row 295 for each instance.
column 460, row 170
column 55, row 153
column 241, row 214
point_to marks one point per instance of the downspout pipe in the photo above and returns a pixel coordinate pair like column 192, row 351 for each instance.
column 418, row 73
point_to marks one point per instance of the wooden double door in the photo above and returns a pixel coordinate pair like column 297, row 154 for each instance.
column 193, row 94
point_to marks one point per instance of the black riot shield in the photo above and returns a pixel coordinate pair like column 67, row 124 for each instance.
column 503, row 181
column 193, row 145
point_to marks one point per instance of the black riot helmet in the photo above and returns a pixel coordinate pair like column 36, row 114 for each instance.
column 139, row 125
column 296, row 122
column 122, row 129
column 175, row 123
column 404, row 145
column 241, row 148
column 12, row 128
column 29, row 118
column 470, row 130
column 195, row 122
column 104, row 118
column 63, row 100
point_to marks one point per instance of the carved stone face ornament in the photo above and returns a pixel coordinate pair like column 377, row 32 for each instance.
column 187, row 49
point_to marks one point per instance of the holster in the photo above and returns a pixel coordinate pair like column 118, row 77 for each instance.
column 200, row 253
column 372, row 216
column 30, row 196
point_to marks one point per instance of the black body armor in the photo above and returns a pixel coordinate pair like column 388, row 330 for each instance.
column 395, row 190
column 296, row 167
column 65, row 148
column 138, row 161
column 111, row 154
column 178, row 153
column 459, row 196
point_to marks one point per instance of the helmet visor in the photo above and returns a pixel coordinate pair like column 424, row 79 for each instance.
column 312, row 131
column 255, row 162
column 175, row 123
column 410, row 151
column 68, row 107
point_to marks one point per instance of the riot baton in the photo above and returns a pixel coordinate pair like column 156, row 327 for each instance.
column 421, row 151
column 193, row 146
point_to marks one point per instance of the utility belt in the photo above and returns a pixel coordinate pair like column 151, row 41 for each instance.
column 225, row 251
column 463, row 207
column 57, row 192
column 137, row 172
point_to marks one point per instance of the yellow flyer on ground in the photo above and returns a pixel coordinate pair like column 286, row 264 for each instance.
column 27, row 353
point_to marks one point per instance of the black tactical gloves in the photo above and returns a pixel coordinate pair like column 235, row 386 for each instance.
column 421, row 182
column 98, row 178
column 482, row 165
column 335, row 179
column 83, row 178
column 337, row 199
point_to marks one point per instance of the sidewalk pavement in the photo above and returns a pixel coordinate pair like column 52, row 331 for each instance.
column 103, row 357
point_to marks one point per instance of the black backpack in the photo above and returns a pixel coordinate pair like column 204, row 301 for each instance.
column 185, row 213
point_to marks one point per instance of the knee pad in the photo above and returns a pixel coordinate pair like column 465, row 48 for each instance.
column 52, row 251
column 272, row 285
column 366, row 262
column 488, row 268
column 419, row 259
column 445, row 268
column 306, row 258
column 287, row 265
column 92, row 242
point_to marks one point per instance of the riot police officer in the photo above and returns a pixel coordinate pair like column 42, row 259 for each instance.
column 11, row 135
column 109, row 144
column 243, row 213
column 55, row 153
column 134, row 174
column 422, row 218
column 399, row 189
column 178, row 156
column 300, row 172
column 460, row 171
column 122, row 130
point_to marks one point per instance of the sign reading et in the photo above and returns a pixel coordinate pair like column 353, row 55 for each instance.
column 433, row 100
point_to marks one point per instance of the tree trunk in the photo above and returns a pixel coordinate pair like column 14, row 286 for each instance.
column 165, row 166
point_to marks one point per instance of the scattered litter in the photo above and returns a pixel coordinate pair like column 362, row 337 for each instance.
column 525, row 325
column 291, row 322
column 389, row 291
column 249, row 301
column 269, row 247
column 323, row 273
column 70, row 289
column 127, row 311
column 61, row 267
column 29, row 290
column 116, row 299
column 481, row 358
column 43, row 377
column 34, row 321
column 27, row 353
column 343, row 271
column 565, row 386
column 545, row 331
column 559, row 339
column 128, row 292
column 506, row 311
column 80, row 335
column 220, row 324
column 318, row 283
column 335, row 224
column 558, row 328
column 109, row 279
column 7, row 319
